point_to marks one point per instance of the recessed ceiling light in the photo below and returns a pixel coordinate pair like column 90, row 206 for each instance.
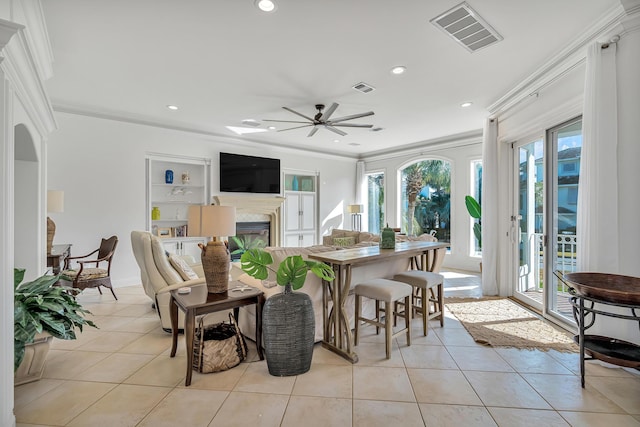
column 266, row 5
column 271, row 128
column 336, row 140
column 172, row 107
column 466, row 104
column 377, row 129
column 399, row 69
column 242, row 131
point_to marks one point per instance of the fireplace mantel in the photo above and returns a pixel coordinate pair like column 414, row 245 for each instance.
column 263, row 205
column 251, row 204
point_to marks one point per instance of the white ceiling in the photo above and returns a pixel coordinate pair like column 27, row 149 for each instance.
column 223, row 61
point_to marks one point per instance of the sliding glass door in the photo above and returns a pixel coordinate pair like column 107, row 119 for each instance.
column 547, row 175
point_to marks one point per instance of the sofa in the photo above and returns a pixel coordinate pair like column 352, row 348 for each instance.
column 313, row 284
column 349, row 238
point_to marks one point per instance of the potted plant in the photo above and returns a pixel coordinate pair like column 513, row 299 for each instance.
column 474, row 209
column 288, row 325
column 41, row 311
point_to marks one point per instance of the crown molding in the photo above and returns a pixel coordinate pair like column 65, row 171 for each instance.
column 20, row 69
column 422, row 147
column 567, row 59
column 142, row 120
column 38, row 37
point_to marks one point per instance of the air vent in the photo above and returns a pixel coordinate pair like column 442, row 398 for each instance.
column 363, row 87
column 467, row 27
column 251, row 122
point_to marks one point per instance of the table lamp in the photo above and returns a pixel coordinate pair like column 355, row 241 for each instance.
column 356, row 217
column 55, row 203
column 216, row 222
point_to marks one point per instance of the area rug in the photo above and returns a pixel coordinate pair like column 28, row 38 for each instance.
column 500, row 322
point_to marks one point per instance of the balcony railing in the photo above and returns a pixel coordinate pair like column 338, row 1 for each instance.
column 532, row 261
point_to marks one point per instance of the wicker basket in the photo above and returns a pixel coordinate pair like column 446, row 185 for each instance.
column 288, row 330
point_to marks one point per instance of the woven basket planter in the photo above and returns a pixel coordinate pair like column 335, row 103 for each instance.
column 288, row 329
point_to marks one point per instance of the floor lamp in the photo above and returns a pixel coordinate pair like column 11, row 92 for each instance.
column 215, row 222
column 356, row 216
column 55, row 203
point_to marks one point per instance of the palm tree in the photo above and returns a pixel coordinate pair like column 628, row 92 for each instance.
column 414, row 177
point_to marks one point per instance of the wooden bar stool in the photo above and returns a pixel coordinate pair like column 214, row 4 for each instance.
column 429, row 289
column 389, row 292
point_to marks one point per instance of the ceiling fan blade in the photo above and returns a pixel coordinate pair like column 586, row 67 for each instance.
column 313, row 131
column 284, row 121
column 329, row 112
column 299, row 114
column 338, row 131
column 297, row 127
column 354, row 116
column 350, row 125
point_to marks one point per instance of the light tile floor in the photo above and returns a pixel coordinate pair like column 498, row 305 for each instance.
column 122, row 375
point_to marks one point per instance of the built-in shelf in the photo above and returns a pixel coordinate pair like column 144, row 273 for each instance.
column 172, row 202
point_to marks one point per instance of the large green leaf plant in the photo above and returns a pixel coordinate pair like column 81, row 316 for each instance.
column 475, row 211
column 40, row 306
column 291, row 271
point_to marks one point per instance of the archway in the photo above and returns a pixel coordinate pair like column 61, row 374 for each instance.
column 26, row 202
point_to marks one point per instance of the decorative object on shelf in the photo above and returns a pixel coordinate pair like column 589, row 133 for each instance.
column 356, row 216
column 185, row 177
column 168, row 176
column 55, row 203
column 294, row 183
column 288, row 322
column 58, row 318
column 155, row 213
column 388, row 239
column 164, row 232
column 216, row 222
column 306, row 184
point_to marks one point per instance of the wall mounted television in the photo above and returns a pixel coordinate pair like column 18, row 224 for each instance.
column 249, row 174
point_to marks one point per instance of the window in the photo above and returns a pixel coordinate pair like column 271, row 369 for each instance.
column 476, row 192
column 375, row 202
column 568, row 167
column 425, row 198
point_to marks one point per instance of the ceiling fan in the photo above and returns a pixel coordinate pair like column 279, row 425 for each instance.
column 323, row 119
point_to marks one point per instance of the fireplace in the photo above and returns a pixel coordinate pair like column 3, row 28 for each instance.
column 249, row 235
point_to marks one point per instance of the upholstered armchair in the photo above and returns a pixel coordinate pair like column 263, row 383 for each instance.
column 161, row 273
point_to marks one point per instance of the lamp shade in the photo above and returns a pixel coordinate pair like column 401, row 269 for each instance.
column 55, row 201
column 212, row 221
column 354, row 209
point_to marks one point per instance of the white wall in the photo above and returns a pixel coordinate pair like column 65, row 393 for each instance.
column 100, row 165
column 460, row 157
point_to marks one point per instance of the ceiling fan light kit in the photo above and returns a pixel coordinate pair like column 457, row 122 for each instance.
column 323, row 119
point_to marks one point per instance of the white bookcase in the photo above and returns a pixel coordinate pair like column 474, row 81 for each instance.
column 167, row 203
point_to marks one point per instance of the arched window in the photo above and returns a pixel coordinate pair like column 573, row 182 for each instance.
column 425, row 198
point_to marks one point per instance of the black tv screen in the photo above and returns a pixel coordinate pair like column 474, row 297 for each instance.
column 249, row 174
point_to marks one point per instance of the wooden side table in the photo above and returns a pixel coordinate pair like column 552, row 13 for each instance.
column 57, row 256
column 199, row 302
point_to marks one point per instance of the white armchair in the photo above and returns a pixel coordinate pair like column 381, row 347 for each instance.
column 158, row 276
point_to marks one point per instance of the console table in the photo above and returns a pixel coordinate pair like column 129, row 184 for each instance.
column 609, row 291
column 337, row 335
column 57, row 256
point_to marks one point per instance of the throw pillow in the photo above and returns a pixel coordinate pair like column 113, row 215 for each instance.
column 181, row 266
column 344, row 241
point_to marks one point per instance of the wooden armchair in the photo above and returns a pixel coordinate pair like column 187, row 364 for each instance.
column 91, row 277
